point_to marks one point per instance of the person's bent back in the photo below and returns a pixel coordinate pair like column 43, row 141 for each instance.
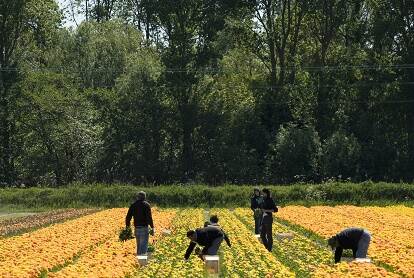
column 209, row 237
column 356, row 239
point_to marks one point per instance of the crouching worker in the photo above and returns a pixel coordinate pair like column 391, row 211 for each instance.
column 356, row 239
column 209, row 237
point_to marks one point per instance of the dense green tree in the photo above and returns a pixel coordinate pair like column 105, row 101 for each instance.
column 294, row 155
column 340, row 156
column 99, row 51
column 24, row 26
column 97, row 10
column 232, row 140
column 136, row 135
column 58, row 135
column 12, row 14
column 393, row 35
column 190, row 27
column 157, row 91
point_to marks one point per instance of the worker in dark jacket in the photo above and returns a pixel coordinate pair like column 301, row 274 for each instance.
column 356, row 239
column 214, row 223
column 268, row 208
column 256, row 205
column 209, row 237
column 141, row 211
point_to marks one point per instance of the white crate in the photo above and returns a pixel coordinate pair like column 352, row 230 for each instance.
column 212, row 264
column 283, row 236
column 258, row 237
column 363, row 260
column 166, row 232
column 142, row 260
column 357, row 260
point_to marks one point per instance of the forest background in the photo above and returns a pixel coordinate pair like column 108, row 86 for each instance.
column 206, row 91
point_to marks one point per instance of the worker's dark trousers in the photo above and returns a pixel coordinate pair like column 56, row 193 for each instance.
column 257, row 224
column 266, row 232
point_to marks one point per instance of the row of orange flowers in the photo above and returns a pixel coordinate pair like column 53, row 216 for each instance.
column 391, row 227
column 115, row 258
column 95, row 239
column 19, row 224
column 30, row 254
column 307, row 258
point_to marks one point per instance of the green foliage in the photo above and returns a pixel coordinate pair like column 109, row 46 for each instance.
column 294, row 154
column 117, row 195
column 160, row 91
column 139, row 108
column 58, row 137
column 340, row 156
column 99, row 52
column 126, row 234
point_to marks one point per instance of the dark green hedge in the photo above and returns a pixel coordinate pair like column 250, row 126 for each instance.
column 100, row 195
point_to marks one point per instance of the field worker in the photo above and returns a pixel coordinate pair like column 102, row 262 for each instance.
column 209, row 237
column 255, row 204
column 141, row 211
column 268, row 208
column 214, row 223
column 356, row 239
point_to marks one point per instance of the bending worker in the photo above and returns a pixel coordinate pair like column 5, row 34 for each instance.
column 356, row 239
column 209, row 237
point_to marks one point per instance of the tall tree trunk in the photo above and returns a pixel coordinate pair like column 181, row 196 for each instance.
column 187, row 151
column 87, row 10
column 6, row 165
column 410, row 118
column 57, row 168
column 271, row 43
column 322, row 98
column 5, row 143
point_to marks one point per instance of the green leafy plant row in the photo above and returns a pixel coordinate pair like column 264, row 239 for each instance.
column 101, row 195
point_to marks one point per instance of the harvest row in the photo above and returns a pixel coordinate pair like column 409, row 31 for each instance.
column 391, row 228
column 21, row 224
column 89, row 246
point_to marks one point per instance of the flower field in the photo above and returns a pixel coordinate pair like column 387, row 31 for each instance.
column 247, row 258
column 113, row 258
column 89, row 247
column 20, row 224
column 391, row 228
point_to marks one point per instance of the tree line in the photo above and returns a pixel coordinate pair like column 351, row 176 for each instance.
column 244, row 91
